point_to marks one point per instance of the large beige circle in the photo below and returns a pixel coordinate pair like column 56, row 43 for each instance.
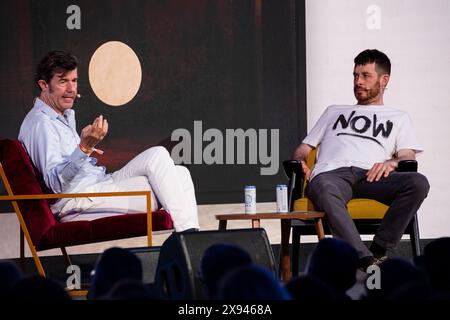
column 115, row 73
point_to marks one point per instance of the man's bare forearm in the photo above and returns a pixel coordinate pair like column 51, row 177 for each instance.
column 405, row 154
column 302, row 151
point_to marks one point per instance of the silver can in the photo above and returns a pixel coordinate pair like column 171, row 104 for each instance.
column 282, row 198
column 250, row 199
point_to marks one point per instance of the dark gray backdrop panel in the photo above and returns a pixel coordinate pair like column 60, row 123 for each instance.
column 229, row 64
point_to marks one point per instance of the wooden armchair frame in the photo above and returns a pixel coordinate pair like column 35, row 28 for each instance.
column 23, row 227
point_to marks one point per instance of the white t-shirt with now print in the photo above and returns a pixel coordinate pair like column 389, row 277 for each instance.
column 360, row 136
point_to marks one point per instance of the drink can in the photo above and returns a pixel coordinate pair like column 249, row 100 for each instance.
column 250, row 199
column 282, row 198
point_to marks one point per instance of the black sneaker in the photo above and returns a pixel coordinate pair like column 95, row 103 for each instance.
column 365, row 262
column 380, row 260
column 190, row 230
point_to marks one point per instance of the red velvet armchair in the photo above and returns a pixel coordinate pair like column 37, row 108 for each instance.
column 40, row 228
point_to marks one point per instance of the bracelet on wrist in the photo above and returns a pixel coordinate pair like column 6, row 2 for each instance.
column 86, row 150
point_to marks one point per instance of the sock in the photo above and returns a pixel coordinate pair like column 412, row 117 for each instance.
column 377, row 250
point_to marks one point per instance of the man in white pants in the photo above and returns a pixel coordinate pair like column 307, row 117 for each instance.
column 65, row 160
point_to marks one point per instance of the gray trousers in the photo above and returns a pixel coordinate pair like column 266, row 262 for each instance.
column 403, row 192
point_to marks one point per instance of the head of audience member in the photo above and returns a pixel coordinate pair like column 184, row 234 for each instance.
column 113, row 265
column 251, row 282
column 412, row 291
column 334, row 262
column 9, row 274
column 216, row 261
column 38, row 288
column 396, row 275
column 436, row 262
column 308, row 288
column 131, row 290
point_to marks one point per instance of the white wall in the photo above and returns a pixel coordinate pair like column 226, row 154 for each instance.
column 415, row 34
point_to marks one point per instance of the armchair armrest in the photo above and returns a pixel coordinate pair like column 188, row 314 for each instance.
column 294, row 172
column 407, row 166
column 43, row 196
column 147, row 194
column 292, row 166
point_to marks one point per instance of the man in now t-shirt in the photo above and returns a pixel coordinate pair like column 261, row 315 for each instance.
column 360, row 148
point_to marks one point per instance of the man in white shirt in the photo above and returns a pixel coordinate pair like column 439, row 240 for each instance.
column 65, row 159
column 360, row 147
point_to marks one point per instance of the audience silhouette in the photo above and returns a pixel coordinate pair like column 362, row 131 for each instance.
column 9, row 274
column 309, row 288
column 131, row 290
column 251, row 282
column 334, row 262
column 113, row 265
column 38, row 288
column 216, row 261
column 395, row 275
column 436, row 262
column 228, row 273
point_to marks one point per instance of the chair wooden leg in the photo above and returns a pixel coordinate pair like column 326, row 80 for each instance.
column 295, row 250
column 319, row 228
column 33, row 250
column 67, row 260
column 38, row 264
column 22, row 250
column 415, row 237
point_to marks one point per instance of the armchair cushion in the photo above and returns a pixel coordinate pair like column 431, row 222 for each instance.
column 103, row 229
column 357, row 208
column 366, row 209
column 303, row 204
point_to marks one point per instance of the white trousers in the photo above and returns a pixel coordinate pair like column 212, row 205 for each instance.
column 153, row 170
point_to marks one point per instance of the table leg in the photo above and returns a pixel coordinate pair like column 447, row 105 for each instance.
column 256, row 223
column 285, row 259
column 319, row 228
column 223, row 224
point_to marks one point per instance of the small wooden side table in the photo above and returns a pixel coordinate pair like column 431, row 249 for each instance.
column 285, row 218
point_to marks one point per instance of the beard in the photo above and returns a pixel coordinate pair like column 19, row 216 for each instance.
column 367, row 95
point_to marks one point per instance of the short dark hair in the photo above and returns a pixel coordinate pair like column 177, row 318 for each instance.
column 55, row 61
column 381, row 60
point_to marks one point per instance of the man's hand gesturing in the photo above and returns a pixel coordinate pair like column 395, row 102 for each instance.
column 92, row 134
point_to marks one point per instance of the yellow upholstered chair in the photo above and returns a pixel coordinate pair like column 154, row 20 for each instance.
column 366, row 213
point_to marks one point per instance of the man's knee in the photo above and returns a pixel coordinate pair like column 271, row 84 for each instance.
column 183, row 171
column 419, row 184
column 157, row 153
column 160, row 150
